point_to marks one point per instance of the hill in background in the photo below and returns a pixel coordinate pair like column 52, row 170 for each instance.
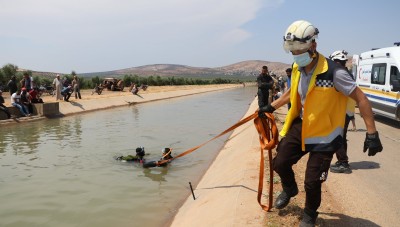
column 238, row 70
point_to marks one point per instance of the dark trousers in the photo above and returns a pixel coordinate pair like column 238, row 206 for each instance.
column 67, row 95
column 77, row 93
column 341, row 154
column 289, row 153
column 29, row 107
column 263, row 96
column 5, row 110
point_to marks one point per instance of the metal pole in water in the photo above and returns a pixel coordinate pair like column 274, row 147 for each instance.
column 191, row 189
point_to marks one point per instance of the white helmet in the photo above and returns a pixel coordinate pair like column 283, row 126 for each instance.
column 299, row 36
column 340, row 55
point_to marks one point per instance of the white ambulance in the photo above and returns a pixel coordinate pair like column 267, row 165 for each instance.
column 377, row 75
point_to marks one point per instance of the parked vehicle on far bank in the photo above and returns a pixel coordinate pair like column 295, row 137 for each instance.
column 113, row 84
column 47, row 89
column 377, row 74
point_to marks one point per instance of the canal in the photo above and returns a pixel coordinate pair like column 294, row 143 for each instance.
column 62, row 172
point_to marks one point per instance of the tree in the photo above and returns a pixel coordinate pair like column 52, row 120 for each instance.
column 36, row 81
column 46, row 81
column 9, row 70
column 127, row 79
column 3, row 79
column 96, row 80
column 151, row 81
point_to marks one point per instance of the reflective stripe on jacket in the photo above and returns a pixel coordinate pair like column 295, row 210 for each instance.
column 324, row 109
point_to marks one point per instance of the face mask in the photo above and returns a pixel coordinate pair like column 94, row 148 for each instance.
column 302, row 59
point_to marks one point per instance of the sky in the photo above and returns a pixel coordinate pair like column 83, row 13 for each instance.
column 103, row 35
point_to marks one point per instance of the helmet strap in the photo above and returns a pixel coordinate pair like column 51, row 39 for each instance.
column 312, row 53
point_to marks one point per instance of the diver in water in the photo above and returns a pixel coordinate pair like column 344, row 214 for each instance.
column 166, row 155
column 139, row 157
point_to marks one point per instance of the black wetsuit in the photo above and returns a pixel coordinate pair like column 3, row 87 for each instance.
column 264, row 82
column 130, row 158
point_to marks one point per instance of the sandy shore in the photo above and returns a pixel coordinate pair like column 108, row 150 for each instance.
column 110, row 99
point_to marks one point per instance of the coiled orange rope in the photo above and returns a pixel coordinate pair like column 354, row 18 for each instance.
column 268, row 137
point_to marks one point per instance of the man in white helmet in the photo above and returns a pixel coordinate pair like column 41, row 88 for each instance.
column 342, row 164
column 315, row 121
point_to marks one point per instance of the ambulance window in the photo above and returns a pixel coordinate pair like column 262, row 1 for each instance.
column 354, row 70
column 394, row 78
column 378, row 74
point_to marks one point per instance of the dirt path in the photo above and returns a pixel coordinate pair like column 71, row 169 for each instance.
column 369, row 196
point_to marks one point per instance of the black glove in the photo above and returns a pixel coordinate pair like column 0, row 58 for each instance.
column 373, row 144
column 265, row 109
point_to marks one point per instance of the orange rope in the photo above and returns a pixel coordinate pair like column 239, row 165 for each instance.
column 268, row 137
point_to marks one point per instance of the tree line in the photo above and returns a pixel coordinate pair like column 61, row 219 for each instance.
column 9, row 70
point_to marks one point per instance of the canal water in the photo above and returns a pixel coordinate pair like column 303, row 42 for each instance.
column 62, row 172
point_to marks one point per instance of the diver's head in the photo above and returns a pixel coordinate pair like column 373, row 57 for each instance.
column 140, row 152
column 166, row 152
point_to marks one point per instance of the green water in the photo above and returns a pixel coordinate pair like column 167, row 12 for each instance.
column 61, row 172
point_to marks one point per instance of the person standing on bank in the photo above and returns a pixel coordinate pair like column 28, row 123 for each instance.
column 27, row 82
column 12, row 85
column 315, row 121
column 75, row 85
column 57, row 84
column 264, row 83
column 342, row 164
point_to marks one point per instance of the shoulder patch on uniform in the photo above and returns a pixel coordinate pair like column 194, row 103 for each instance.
column 323, row 83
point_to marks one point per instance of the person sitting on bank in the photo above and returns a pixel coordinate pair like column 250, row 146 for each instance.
column 66, row 93
column 134, row 89
column 16, row 102
column 97, row 89
column 3, row 107
column 26, row 100
column 140, row 153
column 35, row 95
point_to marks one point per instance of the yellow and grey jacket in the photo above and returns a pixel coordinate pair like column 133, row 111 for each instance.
column 323, row 111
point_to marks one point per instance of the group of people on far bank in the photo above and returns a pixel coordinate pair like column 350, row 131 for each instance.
column 319, row 91
column 25, row 93
column 64, row 88
column 22, row 97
